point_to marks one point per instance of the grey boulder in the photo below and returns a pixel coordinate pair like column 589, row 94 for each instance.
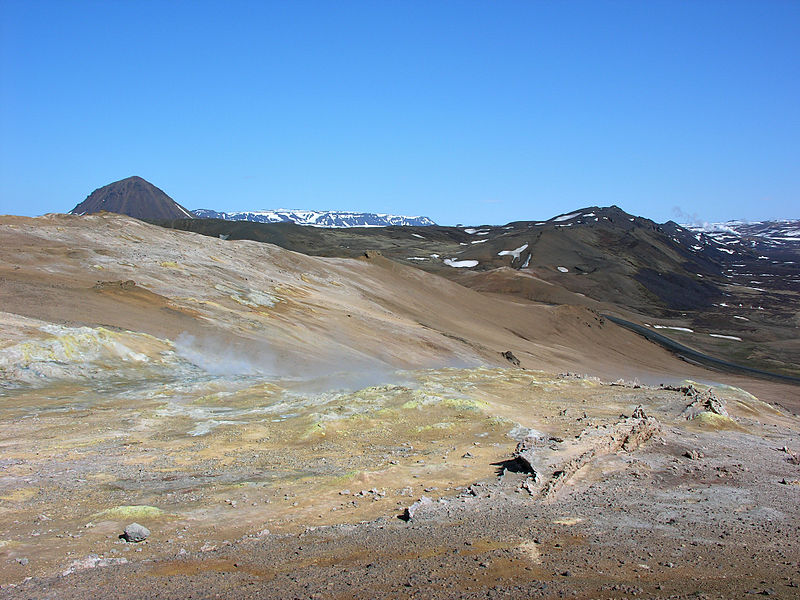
column 135, row 533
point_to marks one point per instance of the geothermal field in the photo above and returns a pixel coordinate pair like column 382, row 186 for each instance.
column 295, row 426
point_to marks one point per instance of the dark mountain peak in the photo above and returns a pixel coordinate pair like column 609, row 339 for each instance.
column 594, row 214
column 133, row 196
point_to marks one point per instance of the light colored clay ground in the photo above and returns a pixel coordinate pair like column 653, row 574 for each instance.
column 237, row 392
column 203, row 461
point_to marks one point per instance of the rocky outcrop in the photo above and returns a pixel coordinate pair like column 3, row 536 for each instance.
column 702, row 402
column 535, row 454
column 410, row 511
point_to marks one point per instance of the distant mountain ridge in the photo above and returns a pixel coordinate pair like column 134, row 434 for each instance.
column 316, row 218
column 602, row 253
column 135, row 197
column 783, row 230
column 761, row 237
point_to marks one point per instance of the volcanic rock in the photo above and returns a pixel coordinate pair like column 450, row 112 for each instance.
column 410, row 511
column 135, row 533
column 509, row 356
column 134, row 197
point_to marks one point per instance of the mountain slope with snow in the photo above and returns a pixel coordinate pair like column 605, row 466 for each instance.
column 756, row 236
column 317, row 218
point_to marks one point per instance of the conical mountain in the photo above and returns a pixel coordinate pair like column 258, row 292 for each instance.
column 135, row 197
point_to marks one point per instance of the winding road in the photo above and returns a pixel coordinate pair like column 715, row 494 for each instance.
column 694, row 356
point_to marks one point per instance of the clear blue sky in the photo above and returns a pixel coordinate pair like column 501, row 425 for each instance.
column 471, row 112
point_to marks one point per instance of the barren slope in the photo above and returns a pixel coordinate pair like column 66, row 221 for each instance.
column 744, row 290
column 268, row 415
column 301, row 311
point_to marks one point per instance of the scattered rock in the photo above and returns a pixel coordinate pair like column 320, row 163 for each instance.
column 570, row 375
column 467, row 455
column 135, row 533
column 119, row 285
column 92, row 561
column 693, row 454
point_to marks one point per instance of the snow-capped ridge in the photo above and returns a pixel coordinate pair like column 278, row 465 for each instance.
column 752, row 236
column 316, row 218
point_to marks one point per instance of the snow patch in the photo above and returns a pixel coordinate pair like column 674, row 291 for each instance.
column 566, row 217
column 686, row 329
column 180, row 208
column 450, row 262
column 514, row 253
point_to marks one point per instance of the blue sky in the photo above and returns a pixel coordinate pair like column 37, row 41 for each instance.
column 469, row 112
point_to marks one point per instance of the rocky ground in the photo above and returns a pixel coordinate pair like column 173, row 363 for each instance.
column 677, row 501
column 278, row 425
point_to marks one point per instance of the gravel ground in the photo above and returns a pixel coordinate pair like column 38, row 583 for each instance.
column 651, row 523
